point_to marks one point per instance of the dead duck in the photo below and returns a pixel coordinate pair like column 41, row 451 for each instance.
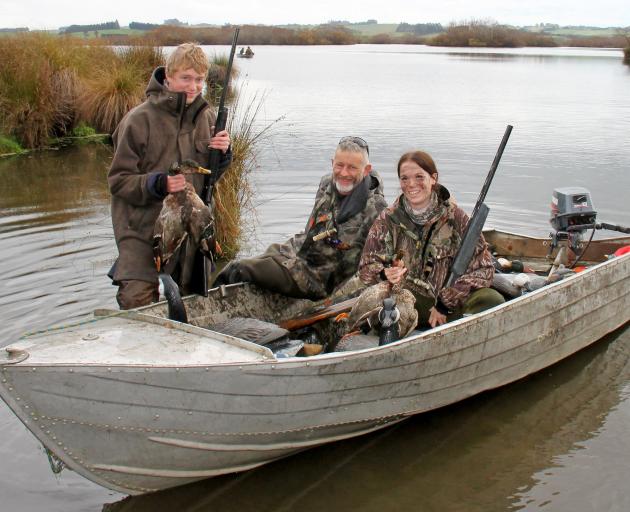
column 184, row 216
column 379, row 307
column 365, row 313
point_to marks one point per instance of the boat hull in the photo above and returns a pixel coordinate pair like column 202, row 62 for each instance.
column 138, row 428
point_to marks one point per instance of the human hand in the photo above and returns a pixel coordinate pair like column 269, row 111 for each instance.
column 395, row 274
column 436, row 318
column 220, row 141
column 175, row 183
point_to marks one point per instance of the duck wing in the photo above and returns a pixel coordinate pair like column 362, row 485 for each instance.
column 169, row 231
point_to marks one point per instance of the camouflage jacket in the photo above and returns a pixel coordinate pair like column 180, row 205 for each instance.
column 318, row 267
column 427, row 251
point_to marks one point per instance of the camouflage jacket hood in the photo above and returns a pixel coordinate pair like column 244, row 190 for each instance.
column 427, row 251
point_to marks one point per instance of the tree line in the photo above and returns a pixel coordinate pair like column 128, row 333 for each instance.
column 110, row 25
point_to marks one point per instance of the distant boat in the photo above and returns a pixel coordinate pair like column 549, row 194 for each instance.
column 137, row 402
column 247, row 54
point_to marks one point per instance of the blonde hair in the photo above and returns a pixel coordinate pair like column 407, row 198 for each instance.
column 185, row 56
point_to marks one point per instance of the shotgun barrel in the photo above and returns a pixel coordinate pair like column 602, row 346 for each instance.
column 477, row 220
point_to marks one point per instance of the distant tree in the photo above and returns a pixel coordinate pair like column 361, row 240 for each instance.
column 175, row 22
column 136, row 25
column 13, row 30
column 110, row 25
column 420, row 29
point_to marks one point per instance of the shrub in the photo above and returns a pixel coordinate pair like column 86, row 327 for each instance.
column 488, row 33
column 83, row 130
column 9, row 145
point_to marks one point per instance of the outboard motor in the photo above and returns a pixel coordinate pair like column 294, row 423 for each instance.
column 572, row 214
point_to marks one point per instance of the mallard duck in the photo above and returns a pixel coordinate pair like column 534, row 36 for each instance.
column 183, row 216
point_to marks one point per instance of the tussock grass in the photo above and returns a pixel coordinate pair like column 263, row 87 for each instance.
column 48, row 84
column 216, row 79
column 110, row 94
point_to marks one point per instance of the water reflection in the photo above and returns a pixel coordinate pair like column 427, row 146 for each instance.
column 478, row 456
column 56, row 237
column 68, row 182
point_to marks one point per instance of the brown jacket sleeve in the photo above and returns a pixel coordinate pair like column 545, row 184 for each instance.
column 126, row 179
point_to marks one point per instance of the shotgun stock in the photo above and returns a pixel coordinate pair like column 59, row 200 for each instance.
column 317, row 315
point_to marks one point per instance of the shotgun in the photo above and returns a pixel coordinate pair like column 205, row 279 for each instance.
column 219, row 125
column 477, row 220
column 199, row 277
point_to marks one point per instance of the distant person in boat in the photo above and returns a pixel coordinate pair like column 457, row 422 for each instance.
column 249, row 52
column 173, row 124
column 313, row 263
column 413, row 243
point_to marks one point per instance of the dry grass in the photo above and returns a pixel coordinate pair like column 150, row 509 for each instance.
column 216, row 79
column 233, row 194
column 49, row 83
column 109, row 95
column 111, row 92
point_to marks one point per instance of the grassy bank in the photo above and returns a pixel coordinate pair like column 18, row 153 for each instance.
column 49, row 85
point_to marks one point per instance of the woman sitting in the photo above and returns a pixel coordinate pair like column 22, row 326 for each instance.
column 412, row 244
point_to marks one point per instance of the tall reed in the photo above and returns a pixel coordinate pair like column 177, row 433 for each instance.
column 233, row 206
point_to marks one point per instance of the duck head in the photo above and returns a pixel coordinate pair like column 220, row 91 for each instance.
column 188, row 167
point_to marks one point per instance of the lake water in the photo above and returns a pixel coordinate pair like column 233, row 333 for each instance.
column 556, row 441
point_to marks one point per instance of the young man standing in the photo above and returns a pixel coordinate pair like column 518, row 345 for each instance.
column 173, row 124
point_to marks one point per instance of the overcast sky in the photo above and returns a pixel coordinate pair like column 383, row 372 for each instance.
column 51, row 14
